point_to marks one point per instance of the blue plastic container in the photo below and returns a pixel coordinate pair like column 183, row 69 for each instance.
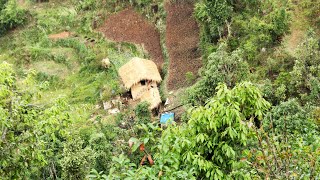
column 167, row 118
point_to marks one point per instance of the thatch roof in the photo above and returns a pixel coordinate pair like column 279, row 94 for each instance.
column 138, row 69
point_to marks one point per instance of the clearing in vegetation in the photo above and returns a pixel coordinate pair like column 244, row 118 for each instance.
column 182, row 39
column 129, row 26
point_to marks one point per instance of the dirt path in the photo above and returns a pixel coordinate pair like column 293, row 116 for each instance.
column 182, row 39
column 298, row 29
column 129, row 26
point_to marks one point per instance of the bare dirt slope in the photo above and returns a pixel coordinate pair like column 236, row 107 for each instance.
column 182, row 40
column 129, row 26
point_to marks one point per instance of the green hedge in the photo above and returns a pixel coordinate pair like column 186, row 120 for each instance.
column 11, row 15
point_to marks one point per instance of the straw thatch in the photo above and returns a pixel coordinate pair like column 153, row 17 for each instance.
column 138, row 69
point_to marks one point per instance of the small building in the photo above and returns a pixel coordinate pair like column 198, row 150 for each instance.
column 141, row 77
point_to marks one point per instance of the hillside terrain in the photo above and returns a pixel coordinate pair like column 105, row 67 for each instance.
column 241, row 77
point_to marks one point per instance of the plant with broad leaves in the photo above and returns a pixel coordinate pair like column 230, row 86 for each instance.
column 211, row 142
column 222, row 67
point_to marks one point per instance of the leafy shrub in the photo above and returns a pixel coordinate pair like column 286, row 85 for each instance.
column 213, row 15
column 76, row 160
column 311, row 9
column 103, row 151
column 291, row 117
column 287, row 146
column 306, row 70
column 53, row 80
column 29, row 132
column 251, row 25
column 190, row 77
column 87, row 5
column 223, row 67
column 11, row 15
column 316, row 115
column 142, row 112
column 7, row 82
column 57, row 19
column 210, row 143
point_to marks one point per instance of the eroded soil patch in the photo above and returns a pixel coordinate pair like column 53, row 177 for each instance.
column 182, row 40
column 129, row 26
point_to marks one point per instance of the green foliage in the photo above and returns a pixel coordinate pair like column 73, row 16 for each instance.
column 250, row 25
column 211, row 142
column 190, row 77
column 213, row 14
column 142, row 112
column 121, row 168
column 287, row 146
column 76, row 159
column 11, row 15
column 7, row 82
column 103, row 151
column 289, row 116
column 94, row 174
column 87, row 5
column 316, row 115
column 306, row 71
column 65, row 138
column 221, row 67
column 255, row 31
column 57, row 19
column 31, row 135
column 50, row 80
column 311, row 8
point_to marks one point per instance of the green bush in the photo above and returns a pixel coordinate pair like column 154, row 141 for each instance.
column 143, row 113
column 76, row 160
column 213, row 15
column 190, row 77
column 103, row 150
column 208, row 146
column 223, row 67
column 287, row 145
column 306, row 70
column 311, row 8
column 11, row 15
column 57, row 19
column 291, row 117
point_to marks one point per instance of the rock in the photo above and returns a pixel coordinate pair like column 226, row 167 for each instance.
column 167, row 102
column 113, row 111
column 105, row 63
column 107, row 105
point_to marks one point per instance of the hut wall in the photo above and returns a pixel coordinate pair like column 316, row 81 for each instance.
column 138, row 89
column 152, row 96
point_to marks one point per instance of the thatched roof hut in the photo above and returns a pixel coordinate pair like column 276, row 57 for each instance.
column 138, row 69
column 141, row 77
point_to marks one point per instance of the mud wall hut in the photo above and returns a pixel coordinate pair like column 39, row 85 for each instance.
column 141, row 77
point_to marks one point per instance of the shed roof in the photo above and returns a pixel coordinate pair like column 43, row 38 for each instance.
column 138, row 69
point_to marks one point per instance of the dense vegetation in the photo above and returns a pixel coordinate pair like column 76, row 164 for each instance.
column 254, row 112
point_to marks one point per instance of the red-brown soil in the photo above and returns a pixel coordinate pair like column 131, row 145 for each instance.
column 129, row 26
column 182, row 39
column 61, row 35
